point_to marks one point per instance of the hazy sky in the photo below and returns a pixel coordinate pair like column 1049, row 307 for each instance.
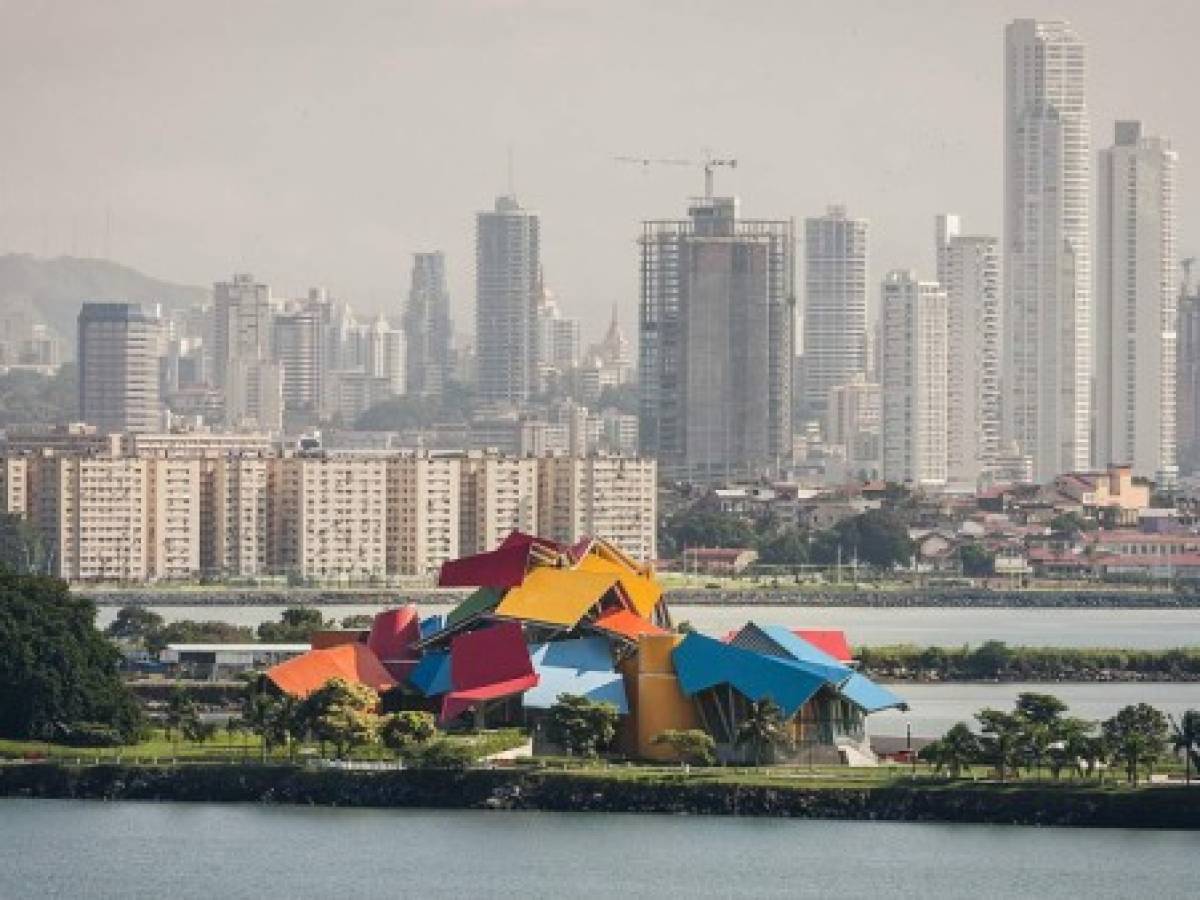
column 325, row 142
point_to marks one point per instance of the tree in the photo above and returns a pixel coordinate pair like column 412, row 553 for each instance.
column 403, row 730
column 134, row 624
column 703, row 525
column 1137, row 736
column 764, row 729
column 264, row 716
column 989, row 659
column 21, row 546
column 976, row 561
column 690, row 746
column 343, row 713
column 186, row 631
column 954, row 751
column 57, row 672
column 1187, row 741
column 581, row 726
column 1042, row 716
column 878, row 536
column 1070, row 525
column 181, row 715
column 296, row 625
column 1002, row 739
column 787, row 548
column 32, row 398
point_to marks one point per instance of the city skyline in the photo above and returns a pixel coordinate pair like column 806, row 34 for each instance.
column 331, row 227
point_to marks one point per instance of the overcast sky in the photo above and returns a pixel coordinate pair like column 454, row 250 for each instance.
column 324, row 142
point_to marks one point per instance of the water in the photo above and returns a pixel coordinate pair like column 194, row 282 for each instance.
column 155, row 850
column 936, row 707
column 1149, row 629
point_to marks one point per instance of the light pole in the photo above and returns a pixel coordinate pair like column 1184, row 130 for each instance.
column 912, row 759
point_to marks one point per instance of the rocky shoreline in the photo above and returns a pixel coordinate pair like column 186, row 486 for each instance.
column 1021, row 804
column 930, row 598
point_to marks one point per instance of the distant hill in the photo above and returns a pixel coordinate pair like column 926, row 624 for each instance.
column 51, row 290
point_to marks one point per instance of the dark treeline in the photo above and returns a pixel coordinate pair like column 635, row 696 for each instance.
column 997, row 660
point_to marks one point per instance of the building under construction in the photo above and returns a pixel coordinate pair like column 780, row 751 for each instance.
column 717, row 332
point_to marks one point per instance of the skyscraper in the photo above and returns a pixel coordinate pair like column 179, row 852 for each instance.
column 298, row 350
column 119, row 349
column 507, row 290
column 243, row 360
column 969, row 271
column 835, row 305
column 1136, row 305
column 717, row 341
column 1187, row 389
column 914, row 379
column 427, row 326
column 1047, row 249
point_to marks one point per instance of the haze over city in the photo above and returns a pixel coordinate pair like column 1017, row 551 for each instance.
column 319, row 145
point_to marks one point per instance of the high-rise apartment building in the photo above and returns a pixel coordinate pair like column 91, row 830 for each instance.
column 611, row 496
column 854, row 420
column 1187, row 390
column 120, row 345
column 14, row 486
column 330, row 516
column 244, row 365
column 968, row 269
column 717, row 342
column 507, row 290
column 94, row 516
column 835, row 334
column 499, row 494
column 424, row 512
column 298, row 350
column 427, row 326
column 1136, row 306
column 914, row 379
column 1047, row 247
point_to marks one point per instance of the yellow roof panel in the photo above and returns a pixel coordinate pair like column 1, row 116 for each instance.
column 643, row 592
column 556, row 596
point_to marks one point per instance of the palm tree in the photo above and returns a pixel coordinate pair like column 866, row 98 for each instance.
column 762, row 728
column 1187, row 740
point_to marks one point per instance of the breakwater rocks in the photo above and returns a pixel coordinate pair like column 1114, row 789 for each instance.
column 1043, row 804
column 915, row 598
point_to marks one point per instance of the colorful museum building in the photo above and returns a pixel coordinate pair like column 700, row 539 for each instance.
column 544, row 620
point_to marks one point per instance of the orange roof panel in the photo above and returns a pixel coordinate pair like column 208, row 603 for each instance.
column 627, row 624
column 353, row 662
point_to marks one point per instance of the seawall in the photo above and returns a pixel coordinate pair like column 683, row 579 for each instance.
column 863, row 597
column 1023, row 804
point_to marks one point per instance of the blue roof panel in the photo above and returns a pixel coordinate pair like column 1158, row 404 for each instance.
column 432, row 625
column 866, row 694
column 432, row 674
column 702, row 662
column 801, row 651
column 580, row 666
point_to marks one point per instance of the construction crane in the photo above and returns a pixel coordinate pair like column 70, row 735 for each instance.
column 708, row 163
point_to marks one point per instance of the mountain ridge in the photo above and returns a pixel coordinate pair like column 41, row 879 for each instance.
column 50, row 291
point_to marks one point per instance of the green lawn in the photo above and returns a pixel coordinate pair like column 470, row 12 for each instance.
column 227, row 748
